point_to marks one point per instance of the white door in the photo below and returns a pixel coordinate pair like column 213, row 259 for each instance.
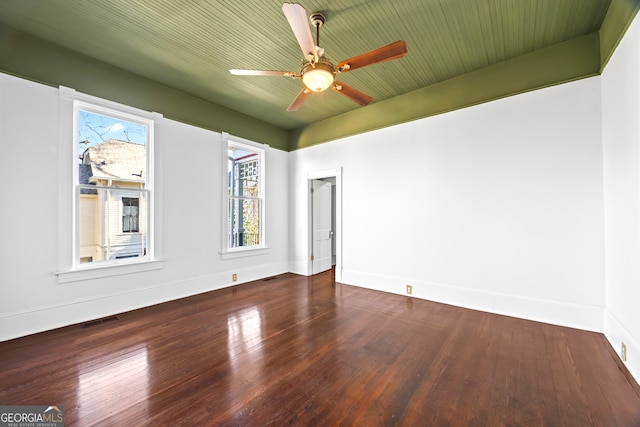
column 322, row 233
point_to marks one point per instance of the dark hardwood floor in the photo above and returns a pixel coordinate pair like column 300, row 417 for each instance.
column 308, row 351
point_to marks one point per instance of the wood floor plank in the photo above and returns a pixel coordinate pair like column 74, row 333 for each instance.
column 299, row 350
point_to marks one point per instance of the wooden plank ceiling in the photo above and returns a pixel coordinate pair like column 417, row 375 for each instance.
column 192, row 45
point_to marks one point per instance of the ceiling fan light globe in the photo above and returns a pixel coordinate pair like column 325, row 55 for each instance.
column 317, row 79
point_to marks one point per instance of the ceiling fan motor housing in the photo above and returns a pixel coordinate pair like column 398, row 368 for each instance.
column 317, row 19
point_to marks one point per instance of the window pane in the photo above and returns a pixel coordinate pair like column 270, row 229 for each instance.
column 134, row 224
column 243, row 173
column 111, row 151
column 105, row 232
column 129, row 214
column 244, row 222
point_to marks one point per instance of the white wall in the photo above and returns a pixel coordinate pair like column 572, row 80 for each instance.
column 497, row 207
column 32, row 300
column 500, row 207
column 621, row 141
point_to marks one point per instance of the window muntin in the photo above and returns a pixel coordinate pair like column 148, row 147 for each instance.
column 112, row 187
column 245, row 197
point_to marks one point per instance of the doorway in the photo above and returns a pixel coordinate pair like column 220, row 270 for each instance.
column 325, row 221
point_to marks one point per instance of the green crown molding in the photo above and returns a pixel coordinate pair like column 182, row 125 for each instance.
column 575, row 59
column 34, row 59
column 571, row 60
column 615, row 24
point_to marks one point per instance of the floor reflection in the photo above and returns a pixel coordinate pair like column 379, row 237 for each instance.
column 245, row 337
column 246, row 358
column 105, row 384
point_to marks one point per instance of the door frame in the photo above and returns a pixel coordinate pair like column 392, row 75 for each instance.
column 337, row 233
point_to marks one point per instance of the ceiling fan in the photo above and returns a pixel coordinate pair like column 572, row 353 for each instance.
column 317, row 72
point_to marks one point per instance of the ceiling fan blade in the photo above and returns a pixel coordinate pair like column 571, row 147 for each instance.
column 297, row 17
column 261, row 73
column 299, row 99
column 351, row 93
column 391, row 51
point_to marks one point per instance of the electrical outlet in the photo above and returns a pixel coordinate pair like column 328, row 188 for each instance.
column 623, row 353
column 234, row 277
column 409, row 290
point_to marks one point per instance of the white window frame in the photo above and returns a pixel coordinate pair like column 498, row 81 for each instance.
column 69, row 267
column 261, row 149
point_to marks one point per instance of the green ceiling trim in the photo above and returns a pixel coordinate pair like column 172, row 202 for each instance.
column 571, row 60
column 27, row 57
column 615, row 24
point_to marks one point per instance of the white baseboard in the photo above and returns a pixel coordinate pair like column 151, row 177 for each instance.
column 617, row 334
column 299, row 267
column 302, row 268
column 590, row 318
column 40, row 319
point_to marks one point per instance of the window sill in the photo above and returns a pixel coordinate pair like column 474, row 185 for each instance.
column 110, row 270
column 244, row 252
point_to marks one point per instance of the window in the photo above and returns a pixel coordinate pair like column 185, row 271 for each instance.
column 130, row 208
column 244, row 194
column 112, row 181
column 107, row 193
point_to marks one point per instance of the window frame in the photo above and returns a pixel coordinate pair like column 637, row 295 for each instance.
column 70, row 269
column 227, row 252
